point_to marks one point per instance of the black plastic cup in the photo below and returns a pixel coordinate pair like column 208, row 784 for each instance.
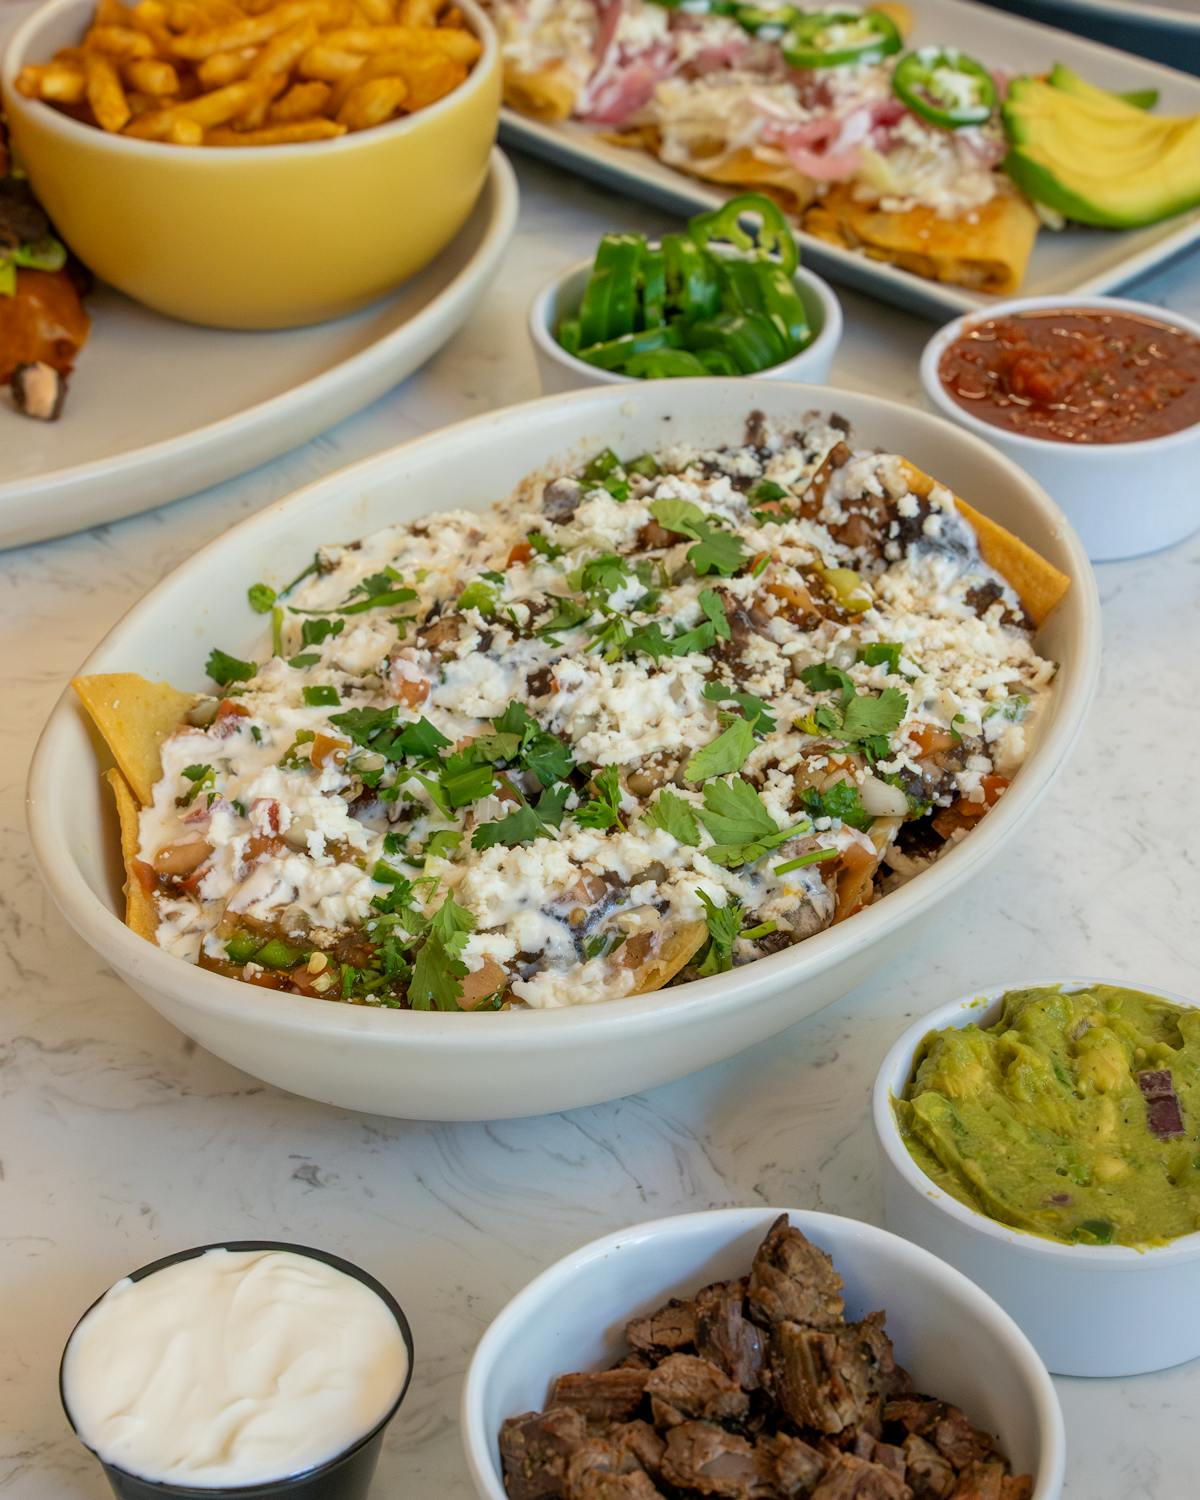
column 346, row 1476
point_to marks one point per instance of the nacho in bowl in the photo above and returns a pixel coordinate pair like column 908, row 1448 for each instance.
column 482, row 1066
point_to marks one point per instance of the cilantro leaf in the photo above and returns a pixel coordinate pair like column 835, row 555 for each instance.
column 525, row 823
column 602, row 575
column 740, row 825
column 679, row 516
column 734, row 813
column 376, row 729
column 478, row 595
column 715, row 550
column 538, row 750
column 203, row 778
column 466, row 777
column 611, row 638
column 824, row 677
column 754, row 709
column 440, row 844
column 567, row 615
column 262, row 598
column 543, row 545
column 673, row 815
column 726, row 753
column 305, row 659
column 224, row 669
column 313, row 632
column 438, row 969
column 724, row 925
column 604, row 810
column 882, row 654
column 321, row 695
column 710, row 603
column 838, row 801
column 867, row 718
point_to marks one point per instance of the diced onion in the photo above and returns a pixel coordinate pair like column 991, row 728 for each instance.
column 881, row 799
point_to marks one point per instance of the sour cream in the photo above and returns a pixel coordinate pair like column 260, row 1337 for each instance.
column 232, row 1368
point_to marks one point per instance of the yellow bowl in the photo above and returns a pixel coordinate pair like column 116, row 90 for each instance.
column 254, row 236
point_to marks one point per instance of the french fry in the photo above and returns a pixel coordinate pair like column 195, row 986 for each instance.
column 184, row 132
column 460, row 45
column 112, row 13
column 329, row 63
column 288, row 133
column 60, row 83
column 120, row 42
column 429, row 79
column 150, row 75
column 416, row 12
column 226, row 67
column 283, row 51
column 249, row 31
column 372, row 102
column 301, row 101
column 255, row 72
column 150, row 17
column 104, row 92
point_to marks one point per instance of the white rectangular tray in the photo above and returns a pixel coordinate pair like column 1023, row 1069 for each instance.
column 1069, row 261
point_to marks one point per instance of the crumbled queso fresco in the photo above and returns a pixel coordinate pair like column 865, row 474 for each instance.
column 628, row 727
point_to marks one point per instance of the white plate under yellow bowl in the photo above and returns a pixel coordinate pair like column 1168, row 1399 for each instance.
column 159, row 409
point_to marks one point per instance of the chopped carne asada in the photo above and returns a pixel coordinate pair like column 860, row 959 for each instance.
column 631, row 727
column 829, row 1416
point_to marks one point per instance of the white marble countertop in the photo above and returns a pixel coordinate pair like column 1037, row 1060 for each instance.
column 121, row 1141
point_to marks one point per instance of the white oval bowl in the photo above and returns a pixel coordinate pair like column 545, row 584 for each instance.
column 951, row 1337
column 418, row 1065
column 1124, row 499
column 559, row 371
column 1087, row 1309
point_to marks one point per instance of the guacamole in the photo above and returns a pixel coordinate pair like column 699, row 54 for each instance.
column 1075, row 1116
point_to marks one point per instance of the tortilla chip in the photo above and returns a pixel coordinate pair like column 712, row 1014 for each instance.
column 1038, row 584
column 661, row 966
column 134, row 717
column 140, row 915
column 986, row 250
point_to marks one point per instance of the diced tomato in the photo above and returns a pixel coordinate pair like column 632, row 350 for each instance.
column 228, row 712
column 930, row 740
column 520, row 552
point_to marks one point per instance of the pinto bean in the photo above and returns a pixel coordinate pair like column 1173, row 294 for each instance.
column 183, row 857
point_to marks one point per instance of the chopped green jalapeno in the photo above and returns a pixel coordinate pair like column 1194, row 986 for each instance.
column 945, row 87
column 685, row 309
column 836, row 38
column 278, row 955
column 724, row 223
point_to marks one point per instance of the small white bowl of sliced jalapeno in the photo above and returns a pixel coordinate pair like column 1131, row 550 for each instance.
column 713, row 300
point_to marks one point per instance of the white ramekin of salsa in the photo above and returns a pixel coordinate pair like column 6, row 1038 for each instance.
column 1044, row 1138
column 253, row 1369
column 1098, row 398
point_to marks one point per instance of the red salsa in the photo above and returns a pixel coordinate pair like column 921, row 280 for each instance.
column 1076, row 376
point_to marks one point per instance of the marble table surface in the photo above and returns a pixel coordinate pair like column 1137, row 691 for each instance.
column 121, row 1141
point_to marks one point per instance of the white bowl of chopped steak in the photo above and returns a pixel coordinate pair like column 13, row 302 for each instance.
column 630, row 732
column 752, row 1352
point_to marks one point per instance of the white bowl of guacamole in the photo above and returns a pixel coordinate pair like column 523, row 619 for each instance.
column 1045, row 1139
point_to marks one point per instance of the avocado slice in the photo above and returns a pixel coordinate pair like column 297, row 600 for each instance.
column 1062, row 77
column 1098, row 160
